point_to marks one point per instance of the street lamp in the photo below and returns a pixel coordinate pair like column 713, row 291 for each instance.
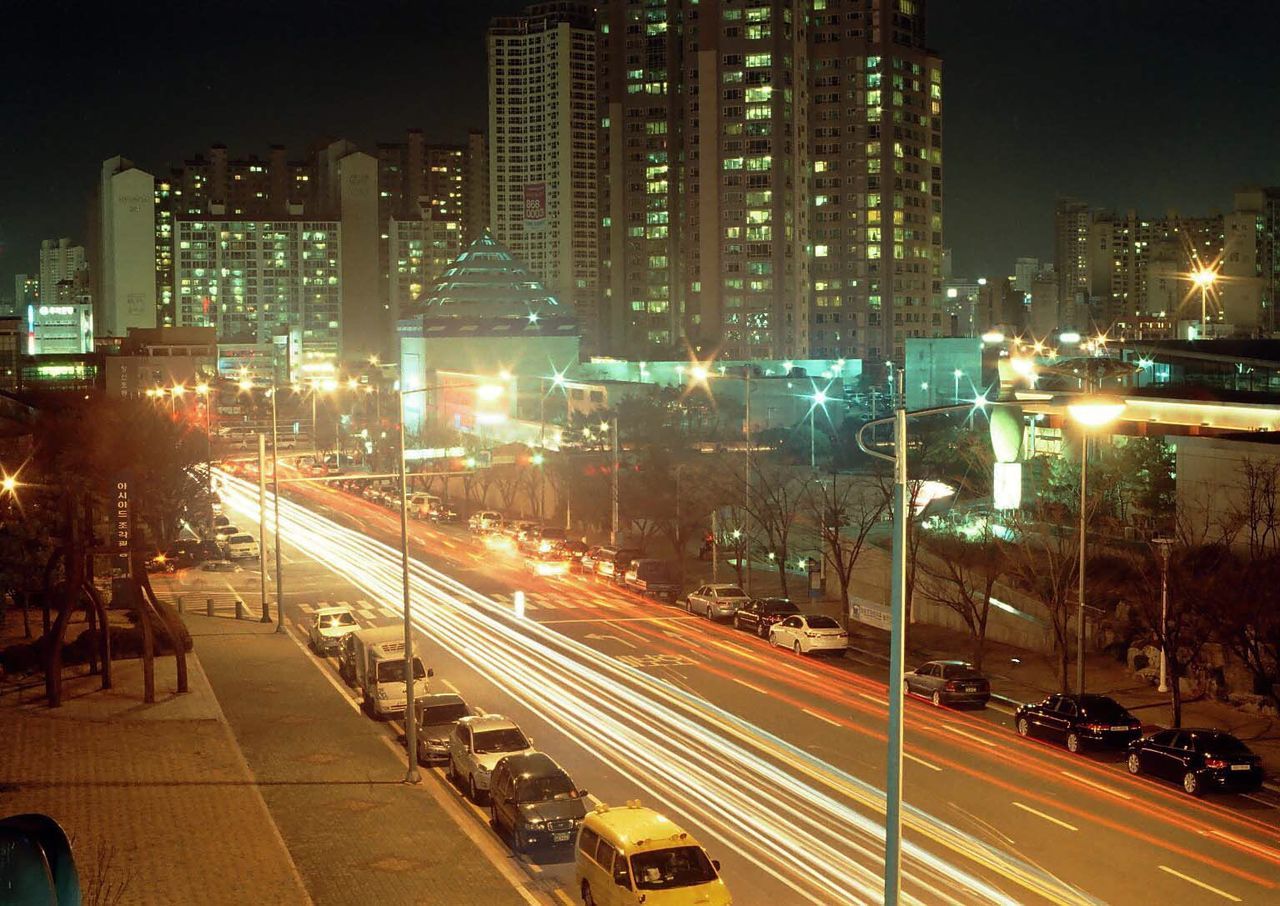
column 957, row 374
column 1093, row 411
column 819, row 400
column 202, row 390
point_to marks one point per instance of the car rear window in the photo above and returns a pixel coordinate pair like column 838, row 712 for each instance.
column 1103, row 708
column 731, row 591
column 960, row 671
column 241, row 539
column 780, row 607
column 821, row 622
column 1220, row 744
column 443, row 714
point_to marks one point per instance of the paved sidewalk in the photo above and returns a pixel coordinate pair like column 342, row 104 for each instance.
column 333, row 785
column 1023, row 676
column 157, row 799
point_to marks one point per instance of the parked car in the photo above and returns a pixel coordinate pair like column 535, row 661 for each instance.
column 549, row 563
column 220, row 520
column 653, row 579
column 220, row 566
column 948, row 683
column 242, row 547
column 1201, row 760
column 546, row 538
column 477, row 744
column 716, row 602
column 758, row 614
column 611, row 562
column 347, row 658
column 160, row 563
column 328, row 626
column 223, row 532
column 435, row 716
column 444, row 514
column 484, row 520
column 575, row 550
column 1077, row 721
column 808, row 633
column 534, row 802
column 591, row 558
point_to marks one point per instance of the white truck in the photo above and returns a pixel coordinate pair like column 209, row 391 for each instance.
column 379, row 670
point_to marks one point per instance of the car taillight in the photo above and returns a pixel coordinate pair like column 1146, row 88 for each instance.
column 952, row 686
column 1095, row 728
column 1214, row 763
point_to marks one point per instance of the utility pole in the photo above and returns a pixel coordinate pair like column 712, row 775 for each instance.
column 275, row 493
column 715, row 544
column 1163, row 545
column 746, row 500
column 897, row 658
column 410, row 711
column 262, row 524
column 613, row 537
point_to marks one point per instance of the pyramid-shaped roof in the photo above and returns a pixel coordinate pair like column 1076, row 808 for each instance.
column 486, row 280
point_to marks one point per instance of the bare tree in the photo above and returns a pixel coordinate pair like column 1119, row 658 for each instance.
column 845, row 508
column 961, row 573
column 1258, row 505
column 1043, row 563
column 777, row 493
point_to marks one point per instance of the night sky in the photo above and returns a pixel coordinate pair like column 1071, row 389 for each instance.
column 1146, row 104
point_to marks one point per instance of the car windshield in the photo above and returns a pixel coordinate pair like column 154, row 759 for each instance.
column 1220, row 744
column 508, row 739
column 1102, row 708
column 443, row 714
column 960, row 671
column 241, row 539
column 393, row 671
column 679, row 866
column 821, row 622
column 330, row 620
column 542, row 789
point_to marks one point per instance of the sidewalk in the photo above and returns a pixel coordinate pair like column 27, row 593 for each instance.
column 1022, row 676
column 157, row 799
column 333, row 785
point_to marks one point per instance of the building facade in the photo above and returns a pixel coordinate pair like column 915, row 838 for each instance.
column 1250, row 288
column 255, row 280
column 542, row 139
column 1072, row 221
column 124, row 272
column 59, row 328
column 59, row 261
column 420, row 251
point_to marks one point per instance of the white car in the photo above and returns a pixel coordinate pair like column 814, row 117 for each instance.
column 225, row 531
column 328, row 626
column 242, row 547
column 806, row 633
column 477, row 744
column 716, row 602
column 484, row 521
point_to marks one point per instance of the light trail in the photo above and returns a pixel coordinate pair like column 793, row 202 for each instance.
column 744, row 784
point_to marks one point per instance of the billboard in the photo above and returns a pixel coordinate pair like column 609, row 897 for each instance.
column 535, row 206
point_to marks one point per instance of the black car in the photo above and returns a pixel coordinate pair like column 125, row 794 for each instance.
column 444, row 515
column 1198, row 759
column 948, row 683
column 1078, row 720
column 534, row 801
column 347, row 658
column 759, row 614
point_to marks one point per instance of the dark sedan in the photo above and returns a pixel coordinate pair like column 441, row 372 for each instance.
column 1078, row 721
column 948, row 683
column 759, row 614
column 1198, row 759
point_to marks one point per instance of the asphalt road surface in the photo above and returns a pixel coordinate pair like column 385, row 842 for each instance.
column 776, row 762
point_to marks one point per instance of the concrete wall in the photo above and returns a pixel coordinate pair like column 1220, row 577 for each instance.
column 1212, row 484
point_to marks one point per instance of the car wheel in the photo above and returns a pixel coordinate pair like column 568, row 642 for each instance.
column 796, row 647
column 737, row 624
column 1073, row 743
column 1024, row 728
column 760, row 631
column 587, row 898
column 472, row 792
column 1134, row 764
column 1191, row 783
column 451, row 772
column 773, row 640
column 936, row 698
column 906, row 687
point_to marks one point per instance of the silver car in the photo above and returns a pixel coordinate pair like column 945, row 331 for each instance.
column 436, row 714
column 716, row 602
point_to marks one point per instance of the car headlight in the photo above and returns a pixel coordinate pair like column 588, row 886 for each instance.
column 382, row 694
column 535, row 821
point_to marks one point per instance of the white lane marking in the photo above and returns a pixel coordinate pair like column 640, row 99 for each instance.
column 1097, row 786
column 1265, row 802
column 750, row 686
column 821, row 717
column 978, row 739
column 1003, row 709
column 562, row 897
column 1191, row 880
column 1040, row 814
column 873, row 698
column 450, row 686
column 1258, row 848
column 618, row 620
column 918, row 760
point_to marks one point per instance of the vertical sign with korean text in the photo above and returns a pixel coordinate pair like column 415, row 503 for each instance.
column 120, row 532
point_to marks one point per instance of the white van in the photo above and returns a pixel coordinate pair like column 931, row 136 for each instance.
column 379, row 669
column 633, row 855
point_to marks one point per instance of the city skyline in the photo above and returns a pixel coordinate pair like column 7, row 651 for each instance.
column 1007, row 160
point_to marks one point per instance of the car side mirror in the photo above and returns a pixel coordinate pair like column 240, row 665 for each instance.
column 430, row 672
column 715, row 863
column 582, row 794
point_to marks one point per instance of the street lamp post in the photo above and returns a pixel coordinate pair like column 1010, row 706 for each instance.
column 1163, row 545
column 203, row 390
column 1091, row 412
column 1204, row 278
column 275, row 495
column 613, row 537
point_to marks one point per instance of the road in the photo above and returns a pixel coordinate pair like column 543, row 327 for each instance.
column 776, row 762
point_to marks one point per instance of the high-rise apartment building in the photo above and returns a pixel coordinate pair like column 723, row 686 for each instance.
column 542, row 142
column 59, row 260
column 123, row 269
column 421, row 248
column 772, row 183
column 475, row 187
column 1249, row 290
column 254, row 280
column 1072, row 221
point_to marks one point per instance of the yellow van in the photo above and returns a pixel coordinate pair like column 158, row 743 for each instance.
column 632, row 855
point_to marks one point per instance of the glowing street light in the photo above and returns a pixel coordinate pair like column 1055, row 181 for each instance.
column 1204, row 278
column 819, row 402
column 1089, row 412
column 9, row 484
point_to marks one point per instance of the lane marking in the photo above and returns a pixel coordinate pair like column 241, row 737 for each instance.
column 1247, row 844
column 562, row 897
column 1265, row 802
column 873, row 698
column 616, row 619
column 979, row 739
column 753, row 688
column 919, row 760
column 1191, row 880
column 1097, row 786
column 821, row 717
column 1040, row 814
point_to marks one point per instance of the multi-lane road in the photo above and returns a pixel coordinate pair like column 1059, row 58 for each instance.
column 776, row 762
